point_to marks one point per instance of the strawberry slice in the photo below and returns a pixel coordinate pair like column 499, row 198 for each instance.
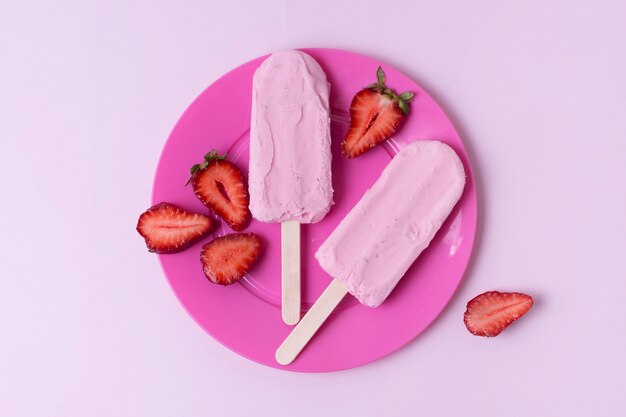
column 220, row 186
column 491, row 312
column 169, row 229
column 226, row 259
column 375, row 113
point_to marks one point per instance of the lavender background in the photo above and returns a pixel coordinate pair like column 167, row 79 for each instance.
column 88, row 94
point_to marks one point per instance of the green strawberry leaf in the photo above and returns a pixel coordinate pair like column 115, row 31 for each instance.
column 213, row 155
column 403, row 106
column 380, row 75
column 407, row 96
column 192, row 170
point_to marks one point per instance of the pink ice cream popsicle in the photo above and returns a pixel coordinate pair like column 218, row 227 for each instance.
column 383, row 234
column 290, row 160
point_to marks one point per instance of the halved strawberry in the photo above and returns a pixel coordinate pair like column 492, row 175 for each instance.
column 226, row 259
column 375, row 113
column 169, row 229
column 220, row 186
column 491, row 312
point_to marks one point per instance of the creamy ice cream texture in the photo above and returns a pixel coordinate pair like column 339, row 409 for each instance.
column 396, row 219
column 290, row 159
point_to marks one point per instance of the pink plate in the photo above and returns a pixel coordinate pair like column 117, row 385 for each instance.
column 246, row 316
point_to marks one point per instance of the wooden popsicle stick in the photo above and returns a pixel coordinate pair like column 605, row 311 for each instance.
column 290, row 248
column 304, row 331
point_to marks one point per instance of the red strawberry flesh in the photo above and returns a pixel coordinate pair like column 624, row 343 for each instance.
column 226, row 259
column 375, row 113
column 168, row 228
column 373, row 119
column 220, row 186
column 488, row 314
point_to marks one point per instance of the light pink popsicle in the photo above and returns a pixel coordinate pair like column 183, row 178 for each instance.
column 290, row 159
column 383, row 234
